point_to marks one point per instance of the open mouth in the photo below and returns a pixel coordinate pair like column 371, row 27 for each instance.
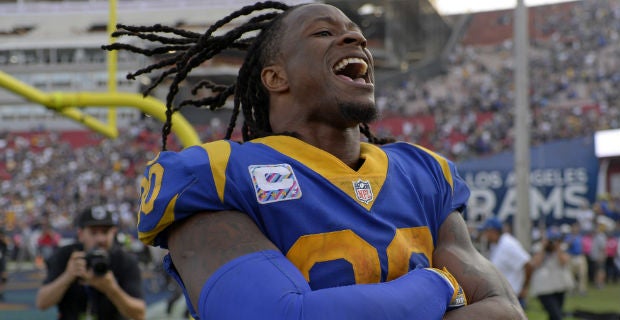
column 352, row 69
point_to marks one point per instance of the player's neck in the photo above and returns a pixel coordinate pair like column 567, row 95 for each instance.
column 343, row 144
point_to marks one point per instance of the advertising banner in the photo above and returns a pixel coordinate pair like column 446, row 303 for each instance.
column 563, row 177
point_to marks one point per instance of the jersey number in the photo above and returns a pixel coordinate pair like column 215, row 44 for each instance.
column 363, row 257
column 156, row 172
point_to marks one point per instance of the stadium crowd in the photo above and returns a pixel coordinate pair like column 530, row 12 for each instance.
column 574, row 75
column 46, row 182
column 574, row 70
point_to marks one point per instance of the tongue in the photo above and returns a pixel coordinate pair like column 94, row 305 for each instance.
column 357, row 80
column 343, row 77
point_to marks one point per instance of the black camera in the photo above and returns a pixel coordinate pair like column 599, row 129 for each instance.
column 98, row 261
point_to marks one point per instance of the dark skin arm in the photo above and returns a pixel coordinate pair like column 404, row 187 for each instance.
column 489, row 295
column 230, row 234
column 224, row 235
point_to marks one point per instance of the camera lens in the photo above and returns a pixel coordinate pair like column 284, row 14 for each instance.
column 97, row 260
column 99, row 267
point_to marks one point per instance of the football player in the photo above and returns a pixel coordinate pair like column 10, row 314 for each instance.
column 312, row 216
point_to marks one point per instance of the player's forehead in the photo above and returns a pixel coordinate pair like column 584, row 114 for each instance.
column 307, row 15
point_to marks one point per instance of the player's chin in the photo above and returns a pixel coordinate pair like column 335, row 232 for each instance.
column 361, row 111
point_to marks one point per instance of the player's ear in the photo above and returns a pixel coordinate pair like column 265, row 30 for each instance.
column 274, row 78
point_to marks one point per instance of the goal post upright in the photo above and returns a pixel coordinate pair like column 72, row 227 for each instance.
column 112, row 60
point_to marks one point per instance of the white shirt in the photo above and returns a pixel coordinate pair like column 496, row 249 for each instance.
column 509, row 257
column 585, row 218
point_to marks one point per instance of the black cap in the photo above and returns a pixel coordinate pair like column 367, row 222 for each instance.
column 96, row 216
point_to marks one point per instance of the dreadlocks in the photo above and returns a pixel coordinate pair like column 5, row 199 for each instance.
column 190, row 49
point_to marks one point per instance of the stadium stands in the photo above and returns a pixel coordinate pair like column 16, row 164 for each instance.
column 574, row 62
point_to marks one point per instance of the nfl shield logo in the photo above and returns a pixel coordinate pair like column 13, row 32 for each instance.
column 363, row 191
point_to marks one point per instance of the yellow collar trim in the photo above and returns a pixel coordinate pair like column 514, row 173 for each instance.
column 373, row 170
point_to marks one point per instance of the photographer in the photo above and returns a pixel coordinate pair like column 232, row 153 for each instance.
column 93, row 278
column 552, row 278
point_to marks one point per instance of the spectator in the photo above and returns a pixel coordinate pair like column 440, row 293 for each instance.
column 598, row 255
column 611, row 249
column 551, row 279
column 47, row 242
column 585, row 218
column 509, row 256
column 578, row 262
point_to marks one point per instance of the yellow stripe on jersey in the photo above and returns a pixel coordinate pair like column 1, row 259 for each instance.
column 443, row 163
column 166, row 220
column 154, row 160
column 219, row 154
column 373, row 170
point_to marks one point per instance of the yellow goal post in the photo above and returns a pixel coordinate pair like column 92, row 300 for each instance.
column 68, row 104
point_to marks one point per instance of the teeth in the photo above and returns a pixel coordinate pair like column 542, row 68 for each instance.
column 344, row 62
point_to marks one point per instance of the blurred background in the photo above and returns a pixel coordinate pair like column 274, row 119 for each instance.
column 445, row 80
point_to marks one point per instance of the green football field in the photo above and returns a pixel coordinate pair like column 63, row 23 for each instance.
column 602, row 300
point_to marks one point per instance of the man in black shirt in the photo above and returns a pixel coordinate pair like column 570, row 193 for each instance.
column 93, row 278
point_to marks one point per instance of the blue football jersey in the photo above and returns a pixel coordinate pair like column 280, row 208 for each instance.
column 339, row 226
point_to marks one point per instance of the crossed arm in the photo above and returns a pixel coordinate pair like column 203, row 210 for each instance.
column 488, row 292
column 202, row 244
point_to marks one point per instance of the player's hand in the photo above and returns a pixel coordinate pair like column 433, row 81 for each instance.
column 76, row 266
column 458, row 297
